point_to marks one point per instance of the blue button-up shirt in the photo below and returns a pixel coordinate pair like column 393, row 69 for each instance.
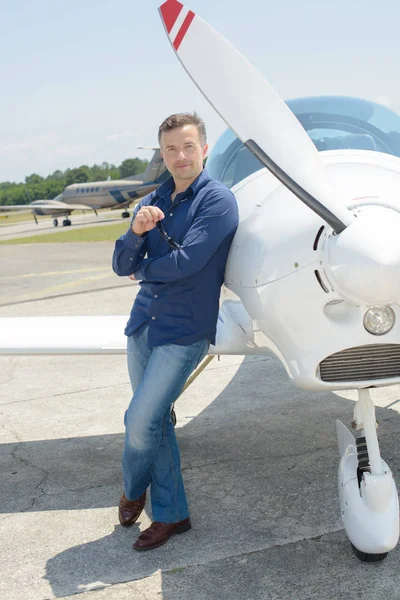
column 180, row 288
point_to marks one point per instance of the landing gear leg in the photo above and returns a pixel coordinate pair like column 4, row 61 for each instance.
column 368, row 496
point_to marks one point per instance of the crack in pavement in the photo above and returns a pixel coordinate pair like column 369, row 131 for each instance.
column 114, row 385
column 281, row 544
column 106, row 586
column 65, row 295
column 69, row 393
column 213, row 561
column 5, row 381
column 39, row 485
column 12, row 376
column 9, row 430
column 299, row 457
column 64, row 491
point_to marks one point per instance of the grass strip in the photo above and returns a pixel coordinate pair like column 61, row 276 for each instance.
column 101, row 233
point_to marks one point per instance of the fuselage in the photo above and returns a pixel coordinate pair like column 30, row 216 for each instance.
column 107, row 194
column 301, row 290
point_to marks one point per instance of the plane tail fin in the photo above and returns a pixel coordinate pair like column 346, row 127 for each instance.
column 155, row 169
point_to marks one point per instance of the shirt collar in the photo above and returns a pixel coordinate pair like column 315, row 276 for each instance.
column 168, row 186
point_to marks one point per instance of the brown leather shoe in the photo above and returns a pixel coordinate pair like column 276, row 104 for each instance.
column 159, row 533
column 129, row 510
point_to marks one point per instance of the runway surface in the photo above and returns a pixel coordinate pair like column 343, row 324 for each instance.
column 45, row 224
column 259, row 461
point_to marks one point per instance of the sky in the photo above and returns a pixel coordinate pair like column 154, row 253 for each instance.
column 86, row 81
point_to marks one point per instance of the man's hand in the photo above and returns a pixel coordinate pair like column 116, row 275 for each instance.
column 146, row 219
column 132, row 277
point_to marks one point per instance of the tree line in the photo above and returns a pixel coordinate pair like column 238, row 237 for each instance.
column 37, row 187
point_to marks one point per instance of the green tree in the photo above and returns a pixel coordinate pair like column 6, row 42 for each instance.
column 79, row 175
column 37, row 187
column 33, row 179
column 58, row 175
column 132, row 166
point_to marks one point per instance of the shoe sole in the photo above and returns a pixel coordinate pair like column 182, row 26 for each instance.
column 128, row 523
column 178, row 531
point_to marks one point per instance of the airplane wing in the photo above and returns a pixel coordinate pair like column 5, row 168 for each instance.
column 63, row 335
column 105, row 334
column 64, row 206
column 15, row 208
column 54, row 205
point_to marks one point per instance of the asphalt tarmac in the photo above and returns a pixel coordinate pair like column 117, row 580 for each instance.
column 259, row 461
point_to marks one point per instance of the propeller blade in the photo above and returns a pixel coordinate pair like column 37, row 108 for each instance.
column 255, row 112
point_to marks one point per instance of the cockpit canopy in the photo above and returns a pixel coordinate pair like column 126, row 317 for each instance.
column 332, row 122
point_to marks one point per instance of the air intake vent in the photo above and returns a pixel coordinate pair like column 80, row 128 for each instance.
column 315, row 246
column 321, row 283
column 363, row 363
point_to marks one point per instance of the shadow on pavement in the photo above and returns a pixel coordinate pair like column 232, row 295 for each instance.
column 260, row 468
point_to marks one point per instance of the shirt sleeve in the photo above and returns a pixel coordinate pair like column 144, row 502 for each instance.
column 216, row 220
column 129, row 249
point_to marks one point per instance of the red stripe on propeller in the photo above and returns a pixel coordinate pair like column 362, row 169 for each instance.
column 170, row 11
column 182, row 32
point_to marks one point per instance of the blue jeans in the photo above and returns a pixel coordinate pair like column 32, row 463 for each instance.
column 151, row 453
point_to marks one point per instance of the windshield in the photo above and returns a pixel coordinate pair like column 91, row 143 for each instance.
column 332, row 122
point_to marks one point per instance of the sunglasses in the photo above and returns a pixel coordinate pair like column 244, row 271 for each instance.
column 164, row 233
column 167, row 237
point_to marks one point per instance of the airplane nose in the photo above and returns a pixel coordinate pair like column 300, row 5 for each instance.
column 364, row 259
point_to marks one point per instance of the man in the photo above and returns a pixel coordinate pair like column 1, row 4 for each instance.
column 185, row 227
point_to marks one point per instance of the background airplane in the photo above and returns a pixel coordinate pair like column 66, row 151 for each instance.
column 113, row 194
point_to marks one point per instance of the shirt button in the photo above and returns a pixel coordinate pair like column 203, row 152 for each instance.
column 171, row 214
column 155, row 296
column 153, row 318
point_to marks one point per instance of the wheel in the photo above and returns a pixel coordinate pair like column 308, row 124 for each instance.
column 173, row 416
column 55, row 222
column 68, row 222
column 365, row 557
column 125, row 214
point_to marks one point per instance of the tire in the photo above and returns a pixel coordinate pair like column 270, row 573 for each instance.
column 55, row 222
column 365, row 557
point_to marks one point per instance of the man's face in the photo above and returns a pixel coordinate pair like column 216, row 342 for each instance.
column 182, row 152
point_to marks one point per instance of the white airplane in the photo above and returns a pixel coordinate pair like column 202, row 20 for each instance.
column 113, row 194
column 313, row 273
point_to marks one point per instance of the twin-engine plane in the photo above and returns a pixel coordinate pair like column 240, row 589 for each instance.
column 313, row 273
column 113, row 194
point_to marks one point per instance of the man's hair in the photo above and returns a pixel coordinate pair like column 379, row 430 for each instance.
column 181, row 119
